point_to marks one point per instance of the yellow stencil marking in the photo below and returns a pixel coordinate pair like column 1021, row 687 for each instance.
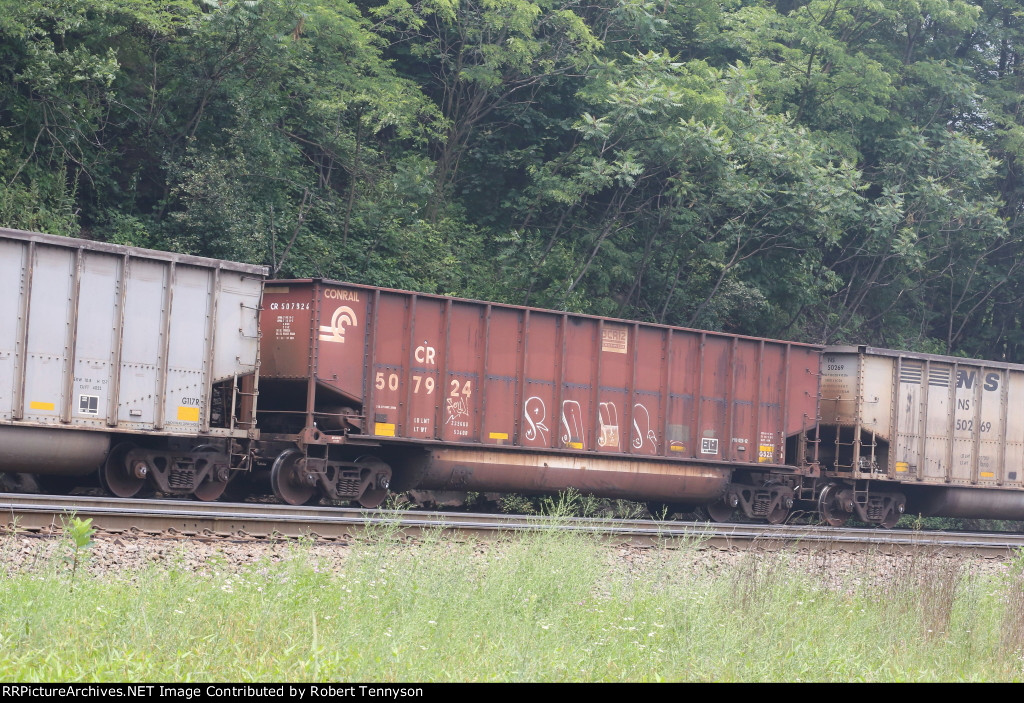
column 188, row 414
column 37, row 405
column 498, row 435
column 384, row 429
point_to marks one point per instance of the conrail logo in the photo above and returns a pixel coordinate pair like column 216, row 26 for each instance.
column 341, row 294
column 335, row 332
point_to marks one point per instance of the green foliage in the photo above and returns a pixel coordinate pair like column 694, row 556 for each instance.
column 546, row 606
column 79, row 534
column 515, row 504
column 920, row 522
column 689, row 203
column 823, row 170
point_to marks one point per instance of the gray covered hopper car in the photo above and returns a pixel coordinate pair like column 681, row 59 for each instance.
column 126, row 359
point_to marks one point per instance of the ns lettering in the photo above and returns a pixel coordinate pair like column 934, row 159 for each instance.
column 966, row 379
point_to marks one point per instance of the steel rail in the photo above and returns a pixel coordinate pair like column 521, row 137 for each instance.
column 35, row 513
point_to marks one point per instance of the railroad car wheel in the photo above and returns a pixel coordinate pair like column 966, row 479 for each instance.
column 893, row 516
column 829, row 508
column 720, row 511
column 120, row 478
column 373, row 497
column 781, row 512
column 211, row 488
column 288, row 481
column 777, row 516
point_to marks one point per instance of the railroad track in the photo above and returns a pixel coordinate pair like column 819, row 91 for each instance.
column 44, row 513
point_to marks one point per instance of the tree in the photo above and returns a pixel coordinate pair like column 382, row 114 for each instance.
column 481, row 58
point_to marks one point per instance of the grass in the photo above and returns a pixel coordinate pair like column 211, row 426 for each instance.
column 536, row 607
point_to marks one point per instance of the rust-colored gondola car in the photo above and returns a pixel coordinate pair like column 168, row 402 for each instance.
column 365, row 389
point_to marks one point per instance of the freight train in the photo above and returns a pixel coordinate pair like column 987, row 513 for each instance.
column 189, row 376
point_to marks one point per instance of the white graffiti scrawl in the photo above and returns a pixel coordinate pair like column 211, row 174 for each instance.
column 457, row 409
column 535, row 413
column 572, row 421
column 642, row 419
column 608, row 417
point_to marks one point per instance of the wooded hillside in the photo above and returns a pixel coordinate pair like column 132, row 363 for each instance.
column 827, row 171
